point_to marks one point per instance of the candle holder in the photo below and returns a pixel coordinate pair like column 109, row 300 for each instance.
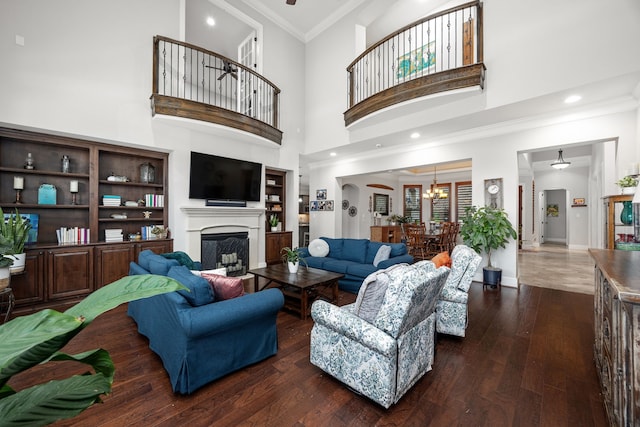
column 18, row 185
column 73, row 189
column 74, row 198
column 18, row 196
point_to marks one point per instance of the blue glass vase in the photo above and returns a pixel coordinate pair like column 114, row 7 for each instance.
column 626, row 216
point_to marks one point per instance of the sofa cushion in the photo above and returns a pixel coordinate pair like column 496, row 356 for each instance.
column 382, row 255
column 354, row 250
column 442, row 259
column 144, row 257
column 372, row 251
column 135, row 269
column 200, row 291
column 316, row 262
column 361, row 270
column 337, row 265
column 159, row 265
column 335, row 247
column 397, row 249
column 319, row 248
column 224, row 287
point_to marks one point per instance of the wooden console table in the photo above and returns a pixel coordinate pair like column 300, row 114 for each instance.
column 617, row 333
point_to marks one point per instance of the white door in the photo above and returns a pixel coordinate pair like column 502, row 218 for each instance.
column 247, row 56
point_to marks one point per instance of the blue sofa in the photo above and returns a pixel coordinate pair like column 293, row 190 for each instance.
column 354, row 258
column 200, row 339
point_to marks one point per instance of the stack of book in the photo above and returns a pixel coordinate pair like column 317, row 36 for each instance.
column 73, row 235
column 154, row 200
column 113, row 235
column 111, row 200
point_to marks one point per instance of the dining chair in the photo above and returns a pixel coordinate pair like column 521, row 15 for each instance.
column 416, row 240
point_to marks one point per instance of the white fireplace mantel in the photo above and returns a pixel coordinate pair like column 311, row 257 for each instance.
column 222, row 219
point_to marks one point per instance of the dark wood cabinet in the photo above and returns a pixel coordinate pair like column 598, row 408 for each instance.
column 274, row 243
column 57, row 272
column 276, row 197
column 69, row 272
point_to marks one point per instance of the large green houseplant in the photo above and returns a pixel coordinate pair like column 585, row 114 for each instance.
column 16, row 230
column 486, row 229
column 36, row 339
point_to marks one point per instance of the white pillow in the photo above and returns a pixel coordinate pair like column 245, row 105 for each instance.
column 219, row 271
column 319, row 248
column 382, row 255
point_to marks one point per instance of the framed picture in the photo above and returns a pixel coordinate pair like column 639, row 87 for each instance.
column 552, row 210
column 314, row 206
column 321, row 194
column 417, row 60
column 579, row 201
column 381, row 203
column 32, row 237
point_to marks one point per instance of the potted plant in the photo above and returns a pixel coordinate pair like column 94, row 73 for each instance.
column 628, row 184
column 273, row 222
column 16, row 230
column 292, row 258
column 486, row 229
column 6, row 248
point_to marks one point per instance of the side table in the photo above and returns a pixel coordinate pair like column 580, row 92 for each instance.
column 7, row 301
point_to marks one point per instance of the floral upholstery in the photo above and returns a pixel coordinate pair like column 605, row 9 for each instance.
column 452, row 308
column 382, row 359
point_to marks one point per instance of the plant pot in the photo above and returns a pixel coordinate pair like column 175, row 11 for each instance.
column 628, row 190
column 5, row 277
column 293, row 267
column 274, row 229
column 18, row 262
column 491, row 276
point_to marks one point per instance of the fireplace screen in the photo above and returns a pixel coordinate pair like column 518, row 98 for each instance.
column 229, row 250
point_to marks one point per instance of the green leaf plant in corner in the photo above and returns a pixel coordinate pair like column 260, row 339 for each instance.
column 36, row 339
column 485, row 229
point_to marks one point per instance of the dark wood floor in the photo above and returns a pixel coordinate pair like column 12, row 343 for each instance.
column 526, row 361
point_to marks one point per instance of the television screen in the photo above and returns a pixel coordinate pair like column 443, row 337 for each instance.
column 221, row 178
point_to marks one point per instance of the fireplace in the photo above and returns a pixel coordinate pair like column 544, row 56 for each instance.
column 229, row 250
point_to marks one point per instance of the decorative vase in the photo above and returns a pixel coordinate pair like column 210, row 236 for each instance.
column 274, row 229
column 18, row 263
column 628, row 190
column 293, row 267
column 626, row 216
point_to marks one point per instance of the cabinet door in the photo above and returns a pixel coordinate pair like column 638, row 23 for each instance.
column 272, row 250
column 28, row 287
column 69, row 272
column 156, row 246
column 112, row 263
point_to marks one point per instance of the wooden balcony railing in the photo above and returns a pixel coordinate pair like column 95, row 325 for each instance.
column 195, row 83
column 438, row 53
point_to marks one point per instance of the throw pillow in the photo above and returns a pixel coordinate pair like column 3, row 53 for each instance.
column 382, row 254
column 199, row 292
column 220, row 271
column 370, row 296
column 182, row 258
column 225, row 287
column 442, row 259
column 319, row 248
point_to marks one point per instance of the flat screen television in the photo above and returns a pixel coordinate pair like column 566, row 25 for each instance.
column 221, row 178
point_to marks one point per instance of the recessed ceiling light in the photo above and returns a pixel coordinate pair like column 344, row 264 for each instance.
column 333, row 154
column 378, row 145
column 572, row 98
column 211, row 22
column 415, row 135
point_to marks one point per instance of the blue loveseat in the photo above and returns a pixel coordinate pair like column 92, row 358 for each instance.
column 198, row 338
column 354, row 258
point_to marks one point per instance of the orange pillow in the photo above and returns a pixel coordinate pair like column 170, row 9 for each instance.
column 442, row 259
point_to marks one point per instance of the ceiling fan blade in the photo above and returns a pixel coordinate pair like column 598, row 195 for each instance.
column 222, row 76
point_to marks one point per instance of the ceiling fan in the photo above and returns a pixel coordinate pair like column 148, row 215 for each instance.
column 228, row 68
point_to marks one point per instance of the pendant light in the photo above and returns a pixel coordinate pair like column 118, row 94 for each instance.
column 560, row 163
column 434, row 192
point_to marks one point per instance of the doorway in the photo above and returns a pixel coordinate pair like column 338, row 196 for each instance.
column 554, row 217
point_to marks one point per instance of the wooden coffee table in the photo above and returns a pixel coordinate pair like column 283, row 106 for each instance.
column 301, row 288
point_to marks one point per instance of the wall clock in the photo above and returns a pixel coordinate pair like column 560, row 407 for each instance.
column 493, row 196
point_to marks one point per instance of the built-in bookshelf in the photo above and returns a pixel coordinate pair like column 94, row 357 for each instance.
column 75, row 192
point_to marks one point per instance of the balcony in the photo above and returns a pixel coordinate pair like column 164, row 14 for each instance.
column 194, row 83
column 439, row 53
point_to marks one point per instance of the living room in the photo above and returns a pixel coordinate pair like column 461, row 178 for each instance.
column 84, row 69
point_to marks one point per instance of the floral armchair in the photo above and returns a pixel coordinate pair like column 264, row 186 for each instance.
column 381, row 358
column 452, row 308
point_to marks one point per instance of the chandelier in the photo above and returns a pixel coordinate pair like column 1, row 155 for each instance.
column 434, row 192
column 560, row 163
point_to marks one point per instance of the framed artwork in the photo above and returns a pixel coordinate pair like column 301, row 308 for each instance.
column 313, row 206
column 579, row 201
column 417, row 60
column 381, row 203
column 552, row 210
column 321, row 194
column 32, row 237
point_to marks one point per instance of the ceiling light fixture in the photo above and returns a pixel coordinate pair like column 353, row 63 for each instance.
column 211, row 22
column 333, row 154
column 415, row 135
column 434, row 192
column 561, row 163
